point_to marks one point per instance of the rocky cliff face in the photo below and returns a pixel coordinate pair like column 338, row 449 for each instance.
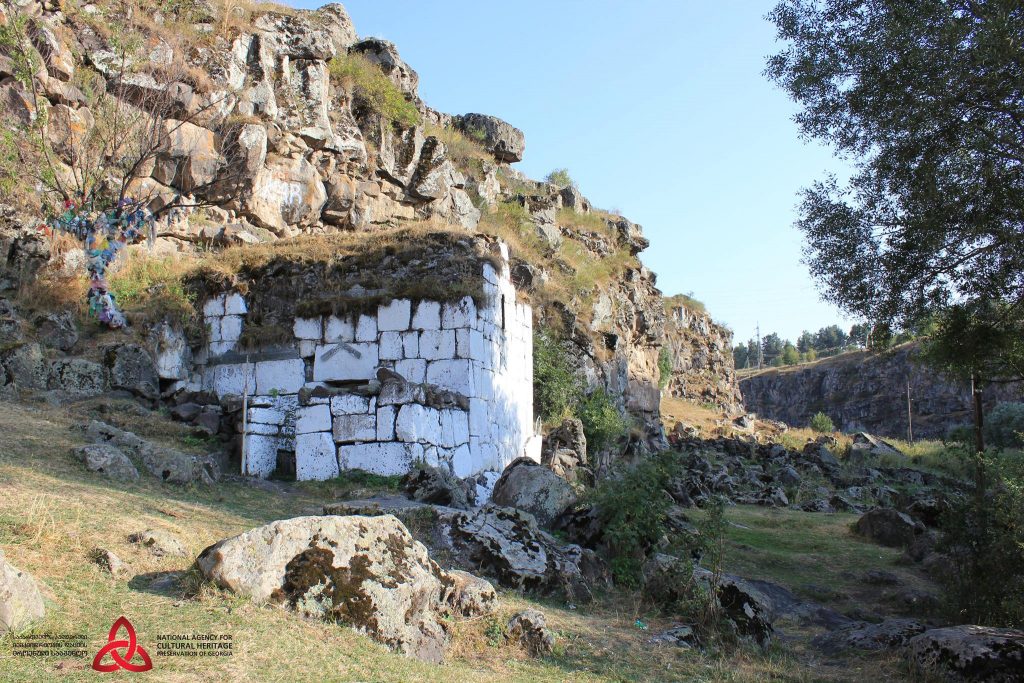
column 701, row 355
column 862, row 391
column 277, row 120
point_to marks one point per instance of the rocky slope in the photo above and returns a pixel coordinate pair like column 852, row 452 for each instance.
column 272, row 123
column 868, row 392
column 700, row 351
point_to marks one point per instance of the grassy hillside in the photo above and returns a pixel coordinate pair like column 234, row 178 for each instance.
column 52, row 513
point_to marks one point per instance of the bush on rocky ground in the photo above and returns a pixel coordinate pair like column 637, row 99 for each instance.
column 633, row 510
column 822, row 423
column 558, row 393
column 984, row 539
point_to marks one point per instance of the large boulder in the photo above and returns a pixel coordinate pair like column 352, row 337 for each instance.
column 970, row 653
column 131, row 367
column 506, row 544
column 527, row 485
column 286, row 192
column 107, row 460
column 506, row 142
column 77, row 377
column 366, row 572
column 889, row 527
column 26, row 367
column 21, row 604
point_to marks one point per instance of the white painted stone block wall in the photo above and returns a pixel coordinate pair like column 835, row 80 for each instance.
column 481, row 352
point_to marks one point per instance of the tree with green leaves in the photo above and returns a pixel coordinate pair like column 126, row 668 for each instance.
column 927, row 101
column 790, row 356
column 771, row 347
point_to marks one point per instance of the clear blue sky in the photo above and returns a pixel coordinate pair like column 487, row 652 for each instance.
column 658, row 109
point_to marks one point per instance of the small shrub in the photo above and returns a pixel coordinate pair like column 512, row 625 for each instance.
column 664, row 367
column 366, row 80
column 561, row 178
column 634, row 513
column 1004, row 425
column 556, row 387
column 822, row 423
column 603, row 423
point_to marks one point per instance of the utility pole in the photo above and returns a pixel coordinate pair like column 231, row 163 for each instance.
column 760, row 353
column 910, row 420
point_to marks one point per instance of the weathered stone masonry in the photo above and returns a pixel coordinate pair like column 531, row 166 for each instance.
column 463, row 399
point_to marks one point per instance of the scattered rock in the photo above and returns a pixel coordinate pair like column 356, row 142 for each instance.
column 108, row 561
column 528, row 486
column 880, row 577
column 470, row 596
column 681, row 635
column 160, row 543
column 669, row 581
column 21, row 603
column 788, row 476
column 167, row 464
column 742, row 605
column 107, row 459
column 529, row 629
column 367, row 572
column 970, row 653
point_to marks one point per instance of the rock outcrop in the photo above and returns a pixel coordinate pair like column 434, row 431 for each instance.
column 700, row 351
column 504, row 544
column 861, row 391
column 528, row 486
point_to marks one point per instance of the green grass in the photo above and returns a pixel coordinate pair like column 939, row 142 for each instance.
column 807, row 551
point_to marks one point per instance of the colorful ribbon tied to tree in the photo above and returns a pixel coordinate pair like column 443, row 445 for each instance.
column 104, row 234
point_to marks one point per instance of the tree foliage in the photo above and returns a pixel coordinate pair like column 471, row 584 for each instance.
column 927, row 100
